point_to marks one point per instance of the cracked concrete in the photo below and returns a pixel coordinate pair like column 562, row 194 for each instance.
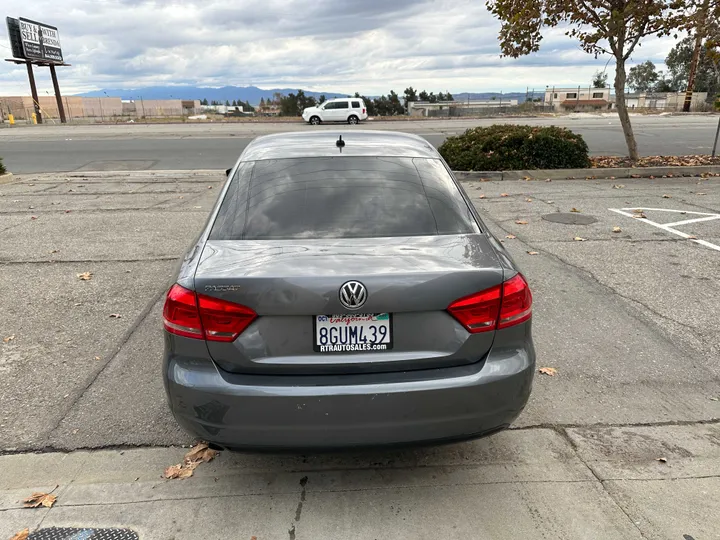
column 629, row 321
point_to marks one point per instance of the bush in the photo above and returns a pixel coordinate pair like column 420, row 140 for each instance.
column 2, row 167
column 510, row 147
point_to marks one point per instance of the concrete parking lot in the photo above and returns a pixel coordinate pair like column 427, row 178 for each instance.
column 629, row 320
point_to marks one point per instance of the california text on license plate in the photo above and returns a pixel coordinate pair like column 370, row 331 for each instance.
column 349, row 333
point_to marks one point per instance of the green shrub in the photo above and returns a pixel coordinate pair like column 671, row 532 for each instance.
column 2, row 167
column 511, row 147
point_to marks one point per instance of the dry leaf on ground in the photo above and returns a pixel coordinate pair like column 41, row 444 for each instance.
column 21, row 535
column 521, row 222
column 528, row 200
column 617, row 229
column 533, row 253
column 661, row 459
column 504, row 195
column 575, row 210
column 201, row 452
column 8, row 339
column 618, row 186
column 180, row 471
column 551, row 371
column 654, row 161
column 85, row 276
column 481, row 196
column 666, row 196
column 511, row 236
column 579, row 239
column 37, row 500
column 115, row 316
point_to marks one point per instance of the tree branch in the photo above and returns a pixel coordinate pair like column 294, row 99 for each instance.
column 636, row 40
column 593, row 14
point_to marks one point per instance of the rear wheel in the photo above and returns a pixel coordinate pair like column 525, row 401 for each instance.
column 315, row 120
column 353, row 119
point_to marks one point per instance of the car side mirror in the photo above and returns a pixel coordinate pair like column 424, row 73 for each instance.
column 228, row 171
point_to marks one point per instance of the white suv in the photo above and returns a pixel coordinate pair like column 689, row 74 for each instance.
column 350, row 110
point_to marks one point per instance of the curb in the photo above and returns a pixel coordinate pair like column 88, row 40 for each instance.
column 590, row 174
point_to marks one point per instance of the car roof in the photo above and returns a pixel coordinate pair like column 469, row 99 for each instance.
column 324, row 144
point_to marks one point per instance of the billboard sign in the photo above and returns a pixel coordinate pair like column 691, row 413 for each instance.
column 13, row 26
column 40, row 41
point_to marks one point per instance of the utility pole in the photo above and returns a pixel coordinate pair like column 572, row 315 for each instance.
column 699, row 35
column 717, row 132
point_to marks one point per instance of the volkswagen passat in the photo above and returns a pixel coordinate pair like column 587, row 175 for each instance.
column 345, row 292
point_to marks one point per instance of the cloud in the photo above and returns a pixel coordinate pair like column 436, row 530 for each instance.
column 336, row 45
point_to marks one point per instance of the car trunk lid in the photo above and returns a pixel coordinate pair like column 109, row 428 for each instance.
column 289, row 282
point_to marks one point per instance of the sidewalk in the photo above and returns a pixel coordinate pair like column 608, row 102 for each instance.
column 586, row 483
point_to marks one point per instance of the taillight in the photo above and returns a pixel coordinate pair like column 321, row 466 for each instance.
column 516, row 302
column 363, row 111
column 197, row 316
column 180, row 313
column 222, row 320
column 494, row 308
column 478, row 312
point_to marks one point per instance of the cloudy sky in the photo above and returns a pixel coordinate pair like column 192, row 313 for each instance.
column 368, row 46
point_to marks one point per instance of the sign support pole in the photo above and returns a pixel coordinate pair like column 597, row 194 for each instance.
column 58, row 97
column 33, row 91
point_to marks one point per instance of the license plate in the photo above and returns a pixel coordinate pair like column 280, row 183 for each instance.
column 351, row 333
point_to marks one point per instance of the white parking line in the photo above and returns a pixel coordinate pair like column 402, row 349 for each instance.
column 668, row 227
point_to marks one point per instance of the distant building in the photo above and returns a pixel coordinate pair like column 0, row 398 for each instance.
column 223, row 109
column 268, row 108
column 668, row 101
column 447, row 108
column 577, row 98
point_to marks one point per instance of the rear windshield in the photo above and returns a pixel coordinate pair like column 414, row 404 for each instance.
column 341, row 197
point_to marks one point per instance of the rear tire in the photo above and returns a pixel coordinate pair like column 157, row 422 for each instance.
column 315, row 120
column 353, row 119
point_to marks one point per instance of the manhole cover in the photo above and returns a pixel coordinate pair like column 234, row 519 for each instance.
column 569, row 219
column 56, row 533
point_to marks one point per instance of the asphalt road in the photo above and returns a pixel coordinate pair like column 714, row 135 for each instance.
column 48, row 148
column 628, row 319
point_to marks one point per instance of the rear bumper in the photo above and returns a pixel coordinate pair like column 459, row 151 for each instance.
column 294, row 412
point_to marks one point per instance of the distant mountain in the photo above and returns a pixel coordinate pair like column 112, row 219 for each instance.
column 253, row 94
column 229, row 93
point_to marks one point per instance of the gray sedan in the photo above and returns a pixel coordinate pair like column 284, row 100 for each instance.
column 346, row 293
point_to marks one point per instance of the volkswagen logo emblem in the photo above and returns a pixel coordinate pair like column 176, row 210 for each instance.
column 353, row 294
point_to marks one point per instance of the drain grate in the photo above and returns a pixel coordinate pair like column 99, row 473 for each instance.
column 56, row 533
column 569, row 218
